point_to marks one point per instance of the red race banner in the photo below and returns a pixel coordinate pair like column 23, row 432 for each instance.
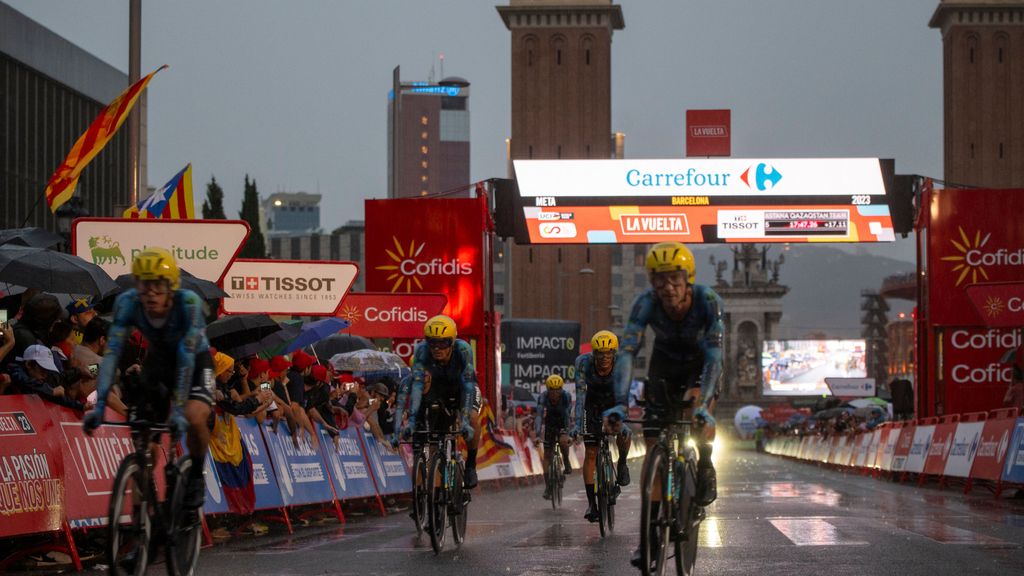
column 942, row 443
column 993, row 445
column 387, row 315
column 999, row 305
column 433, row 246
column 975, row 377
column 973, row 238
column 31, row 468
column 708, row 132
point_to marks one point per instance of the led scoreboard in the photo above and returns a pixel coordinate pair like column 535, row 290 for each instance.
column 705, row 200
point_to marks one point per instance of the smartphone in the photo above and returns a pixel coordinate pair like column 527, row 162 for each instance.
column 3, row 316
column 265, row 386
column 94, row 370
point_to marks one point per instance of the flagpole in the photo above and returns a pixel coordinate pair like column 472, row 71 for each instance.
column 134, row 73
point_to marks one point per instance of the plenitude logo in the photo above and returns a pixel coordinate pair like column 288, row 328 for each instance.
column 407, row 269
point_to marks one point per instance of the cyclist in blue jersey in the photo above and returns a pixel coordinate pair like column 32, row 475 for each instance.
column 686, row 362
column 601, row 404
column 553, row 411
column 177, row 372
column 443, row 372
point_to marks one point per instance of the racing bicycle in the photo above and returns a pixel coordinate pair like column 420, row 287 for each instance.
column 556, row 475
column 605, row 485
column 448, row 499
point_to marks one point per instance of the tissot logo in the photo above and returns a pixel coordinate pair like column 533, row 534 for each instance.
column 407, row 268
column 974, row 257
column 282, row 283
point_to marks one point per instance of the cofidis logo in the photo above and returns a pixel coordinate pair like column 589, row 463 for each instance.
column 974, row 257
column 408, row 267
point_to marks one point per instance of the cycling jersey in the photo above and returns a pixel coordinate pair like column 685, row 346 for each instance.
column 453, row 384
column 174, row 347
column 552, row 415
column 596, row 393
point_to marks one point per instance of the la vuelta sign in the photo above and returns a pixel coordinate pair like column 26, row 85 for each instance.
column 299, row 287
column 387, row 315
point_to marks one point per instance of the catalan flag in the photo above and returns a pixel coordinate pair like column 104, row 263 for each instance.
column 493, row 449
column 173, row 200
column 62, row 184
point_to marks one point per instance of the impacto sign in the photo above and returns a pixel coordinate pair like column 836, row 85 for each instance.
column 387, row 315
column 294, row 287
column 204, row 248
column 704, row 200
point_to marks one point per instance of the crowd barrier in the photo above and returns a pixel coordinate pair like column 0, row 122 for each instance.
column 978, row 449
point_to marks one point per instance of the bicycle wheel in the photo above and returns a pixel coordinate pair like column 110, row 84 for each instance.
column 654, row 526
column 686, row 543
column 437, row 502
column 420, row 494
column 184, row 527
column 559, row 479
column 552, row 478
column 610, row 488
column 128, row 520
column 459, row 509
column 603, row 496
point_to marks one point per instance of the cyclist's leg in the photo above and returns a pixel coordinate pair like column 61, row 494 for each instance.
column 591, row 440
column 563, row 440
column 549, row 451
column 622, row 442
column 197, row 412
column 474, row 443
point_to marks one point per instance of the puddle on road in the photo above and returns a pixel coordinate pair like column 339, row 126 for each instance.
column 945, row 533
column 561, row 536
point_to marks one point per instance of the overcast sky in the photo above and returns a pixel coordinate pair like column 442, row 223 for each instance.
column 294, row 93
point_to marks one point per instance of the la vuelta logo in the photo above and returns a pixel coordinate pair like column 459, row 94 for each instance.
column 975, row 257
column 407, row 267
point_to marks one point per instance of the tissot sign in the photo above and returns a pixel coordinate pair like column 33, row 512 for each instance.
column 704, row 200
column 387, row 315
column 708, row 132
column 204, row 248
column 304, row 288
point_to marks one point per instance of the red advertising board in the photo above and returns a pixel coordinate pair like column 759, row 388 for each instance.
column 777, row 413
column 999, row 304
column 433, row 246
column 941, row 444
column 973, row 237
column 31, row 468
column 708, row 132
column 993, row 445
column 972, row 374
column 387, row 315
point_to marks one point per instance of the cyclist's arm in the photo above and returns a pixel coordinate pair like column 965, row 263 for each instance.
column 632, row 340
column 402, row 397
column 468, row 377
column 712, row 344
column 581, row 388
column 116, row 336
column 418, row 372
column 566, row 410
column 539, row 422
column 189, row 345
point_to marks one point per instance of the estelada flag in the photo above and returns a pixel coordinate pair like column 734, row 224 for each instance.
column 173, row 200
column 62, row 184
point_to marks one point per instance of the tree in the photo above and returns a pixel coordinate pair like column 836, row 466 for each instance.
column 254, row 246
column 213, row 206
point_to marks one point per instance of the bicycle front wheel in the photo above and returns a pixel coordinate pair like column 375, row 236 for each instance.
column 654, row 512
column 601, row 484
column 610, row 490
column 128, row 520
column 459, row 510
column 184, row 527
column 689, row 521
column 437, row 502
column 420, row 494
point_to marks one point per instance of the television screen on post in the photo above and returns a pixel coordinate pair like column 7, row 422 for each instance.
column 799, row 367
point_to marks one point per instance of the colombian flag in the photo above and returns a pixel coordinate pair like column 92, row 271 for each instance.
column 492, row 448
column 234, row 465
column 62, row 184
column 173, row 200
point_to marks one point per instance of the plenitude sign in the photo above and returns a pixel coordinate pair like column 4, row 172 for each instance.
column 205, row 248
column 297, row 287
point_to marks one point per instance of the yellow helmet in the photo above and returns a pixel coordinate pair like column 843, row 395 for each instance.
column 669, row 257
column 156, row 264
column 440, row 326
column 554, row 382
column 604, row 341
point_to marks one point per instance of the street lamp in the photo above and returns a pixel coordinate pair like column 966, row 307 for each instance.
column 66, row 215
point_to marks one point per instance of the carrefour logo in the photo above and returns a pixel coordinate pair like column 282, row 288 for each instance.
column 764, row 177
column 973, row 259
column 407, row 269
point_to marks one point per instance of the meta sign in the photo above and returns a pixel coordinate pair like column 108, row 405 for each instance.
column 999, row 305
column 203, row 247
column 299, row 287
column 708, row 132
column 704, row 200
column 387, row 315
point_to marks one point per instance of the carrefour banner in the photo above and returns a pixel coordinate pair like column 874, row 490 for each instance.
column 704, row 200
column 429, row 246
column 533, row 349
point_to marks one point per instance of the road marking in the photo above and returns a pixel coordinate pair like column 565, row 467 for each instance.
column 813, row 532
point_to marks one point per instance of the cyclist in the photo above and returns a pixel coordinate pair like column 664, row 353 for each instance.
column 553, row 410
column 177, row 367
column 600, row 408
column 443, row 371
column 686, row 363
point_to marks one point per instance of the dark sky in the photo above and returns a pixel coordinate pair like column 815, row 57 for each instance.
column 294, row 93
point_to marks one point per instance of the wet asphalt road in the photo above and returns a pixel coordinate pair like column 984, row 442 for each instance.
column 773, row 516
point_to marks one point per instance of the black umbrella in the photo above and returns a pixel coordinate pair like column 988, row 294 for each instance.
column 31, row 237
column 235, row 331
column 204, row 288
column 339, row 343
column 287, row 333
column 52, row 271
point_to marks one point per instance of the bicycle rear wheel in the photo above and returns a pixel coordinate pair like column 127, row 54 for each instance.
column 184, row 527
column 689, row 523
column 559, row 479
column 553, row 480
column 128, row 520
column 459, row 509
column 437, row 502
column 420, row 494
column 610, row 489
column 654, row 524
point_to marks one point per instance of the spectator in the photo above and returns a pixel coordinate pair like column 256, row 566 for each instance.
column 88, row 355
column 227, row 398
column 34, row 373
column 230, row 455
column 37, row 316
column 61, row 342
column 296, row 416
column 6, row 345
column 80, row 313
column 384, row 414
column 318, row 399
